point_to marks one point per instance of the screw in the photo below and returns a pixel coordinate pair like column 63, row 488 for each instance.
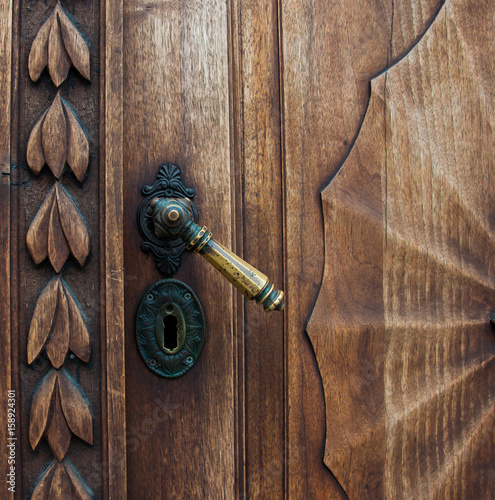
column 152, row 362
column 189, row 360
column 150, row 297
column 173, row 215
column 187, row 296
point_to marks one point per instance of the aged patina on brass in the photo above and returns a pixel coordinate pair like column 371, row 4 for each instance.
column 174, row 218
column 170, row 328
column 167, row 220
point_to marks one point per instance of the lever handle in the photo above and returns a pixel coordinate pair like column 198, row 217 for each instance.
column 174, row 218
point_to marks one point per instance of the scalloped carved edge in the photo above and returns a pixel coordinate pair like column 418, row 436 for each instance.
column 357, row 345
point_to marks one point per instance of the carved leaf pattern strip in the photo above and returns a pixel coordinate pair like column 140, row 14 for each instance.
column 58, row 325
column 56, row 139
column 58, row 411
column 57, row 45
column 57, row 228
column 59, row 408
column 61, row 481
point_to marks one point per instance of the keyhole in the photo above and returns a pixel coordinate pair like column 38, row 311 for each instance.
column 170, row 332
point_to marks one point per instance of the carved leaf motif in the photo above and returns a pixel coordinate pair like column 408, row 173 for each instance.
column 60, row 487
column 56, row 139
column 73, row 226
column 57, row 45
column 80, row 490
column 58, row 411
column 58, row 342
column 42, row 489
column 78, row 146
column 79, row 342
column 37, row 235
column 58, row 325
column 58, row 227
column 58, row 433
column 40, row 408
column 401, row 327
column 35, row 156
column 75, row 45
column 75, row 408
column 61, row 481
column 58, row 249
column 58, row 59
column 41, row 323
column 38, row 56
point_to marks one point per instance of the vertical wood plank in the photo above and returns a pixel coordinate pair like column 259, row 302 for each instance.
column 113, row 377
column 6, row 9
column 177, row 110
column 330, row 50
column 256, row 123
column 236, row 140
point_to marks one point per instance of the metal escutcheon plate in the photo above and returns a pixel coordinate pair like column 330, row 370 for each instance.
column 170, row 328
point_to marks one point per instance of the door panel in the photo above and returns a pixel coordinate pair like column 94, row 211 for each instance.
column 256, row 137
column 401, row 329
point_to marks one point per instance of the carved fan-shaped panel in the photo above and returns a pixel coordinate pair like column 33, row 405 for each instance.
column 401, row 327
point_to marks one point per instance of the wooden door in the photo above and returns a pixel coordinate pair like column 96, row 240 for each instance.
column 342, row 148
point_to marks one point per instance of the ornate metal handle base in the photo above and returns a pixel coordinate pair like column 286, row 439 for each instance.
column 174, row 218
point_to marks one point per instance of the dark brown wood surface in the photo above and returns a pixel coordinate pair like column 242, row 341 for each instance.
column 112, row 222
column 55, row 176
column 176, row 109
column 256, row 133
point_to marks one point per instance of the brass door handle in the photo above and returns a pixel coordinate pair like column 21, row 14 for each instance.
column 174, row 218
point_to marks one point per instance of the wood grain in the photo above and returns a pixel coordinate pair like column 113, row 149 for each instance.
column 112, row 250
column 330, row 50
column 177, row 110
column 401, row 327
column 40, row 408
column 57, row 344
column 59, row 410
column 255, row 129
column 6, row 35
column 61, row 140
column 58, row 434
column 75, row 408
